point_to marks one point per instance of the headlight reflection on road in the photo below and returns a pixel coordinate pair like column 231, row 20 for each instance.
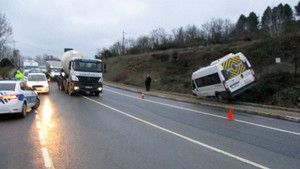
column 47, row 113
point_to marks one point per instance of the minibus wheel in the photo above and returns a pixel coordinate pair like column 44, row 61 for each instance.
column 221, row 98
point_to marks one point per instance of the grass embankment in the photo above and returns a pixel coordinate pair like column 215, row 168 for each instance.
column 171, row 70
column 5, row 70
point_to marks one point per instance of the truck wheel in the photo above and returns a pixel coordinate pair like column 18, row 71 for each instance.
column 66, row 88
column 222, row 99
column 60, row 87
column 96, row 93
column 70, row 91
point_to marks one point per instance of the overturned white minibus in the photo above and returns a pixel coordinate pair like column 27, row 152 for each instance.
column 224, row 78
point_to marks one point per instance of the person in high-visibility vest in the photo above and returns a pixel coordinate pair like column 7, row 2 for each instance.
column 19, row 76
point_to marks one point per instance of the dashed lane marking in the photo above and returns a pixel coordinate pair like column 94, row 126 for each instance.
column 38, row 125
column 42, row 138
column 46, row 157
column 182, row 136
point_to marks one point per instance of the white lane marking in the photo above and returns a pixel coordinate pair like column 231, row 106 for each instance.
column 204, row 113
column 42, row 138
column 47, row 159
column 182, row 136
column 38, row 125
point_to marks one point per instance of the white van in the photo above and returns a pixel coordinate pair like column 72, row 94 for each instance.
column 224, row 78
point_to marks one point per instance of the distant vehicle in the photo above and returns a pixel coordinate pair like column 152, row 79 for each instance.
column 32, row 70
column 43, row 69
column 30, row 64
column 80, row 74
column 53, row 69
column 38, row 82
column 224, row 78
column 35, row 70
column 25, row 74
column 16, row 97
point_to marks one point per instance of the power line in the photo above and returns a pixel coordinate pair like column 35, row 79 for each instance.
column 136, row 34
column 13, row 42
column 35, row 47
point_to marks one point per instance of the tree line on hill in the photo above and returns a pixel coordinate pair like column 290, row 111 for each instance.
column 275, row 22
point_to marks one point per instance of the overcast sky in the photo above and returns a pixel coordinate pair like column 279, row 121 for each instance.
column 49, row 26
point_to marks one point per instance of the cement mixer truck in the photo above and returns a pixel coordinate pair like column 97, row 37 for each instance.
column 80, row 74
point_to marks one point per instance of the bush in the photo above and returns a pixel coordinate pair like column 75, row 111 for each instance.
column 134, row 51
column 270, row 84
column 162, row 57
column 121, row 76
column 5, row 62
column 5, row 70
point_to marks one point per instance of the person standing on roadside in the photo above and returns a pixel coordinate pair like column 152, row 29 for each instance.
column 148, row 82
column 19, row 76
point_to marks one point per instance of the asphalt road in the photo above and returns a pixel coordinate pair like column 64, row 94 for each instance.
column 119, row 130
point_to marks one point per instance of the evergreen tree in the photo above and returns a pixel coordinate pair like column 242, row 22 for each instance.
column 297, row 9
column 288, row 13
column 252, row 22
column 275, row 20
column 240, row 25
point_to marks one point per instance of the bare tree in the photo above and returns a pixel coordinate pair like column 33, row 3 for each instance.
column 205, row 32
column 228, row 27
column 216, row 29
column 130, row 43
column 6, row 52
column 144, row 42
column 117, row 48
column 158, row 37
column 179, row 35
column 191, row 33
column 5, row 32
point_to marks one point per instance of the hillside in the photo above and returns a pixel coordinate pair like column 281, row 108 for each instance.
column 171, row 69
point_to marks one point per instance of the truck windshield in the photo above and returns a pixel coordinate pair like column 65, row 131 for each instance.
column 30, row 67
column 88, row 66
column 55, row 69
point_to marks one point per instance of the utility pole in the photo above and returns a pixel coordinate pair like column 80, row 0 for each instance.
column 13, row 41
column 15, row 56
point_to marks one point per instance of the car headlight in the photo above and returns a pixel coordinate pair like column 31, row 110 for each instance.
column 46, row 85
column 29, row 85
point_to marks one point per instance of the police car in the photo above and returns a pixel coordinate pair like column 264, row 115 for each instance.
column 16, row 97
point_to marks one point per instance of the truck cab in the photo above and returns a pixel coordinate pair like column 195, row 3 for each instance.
column 85, row 75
